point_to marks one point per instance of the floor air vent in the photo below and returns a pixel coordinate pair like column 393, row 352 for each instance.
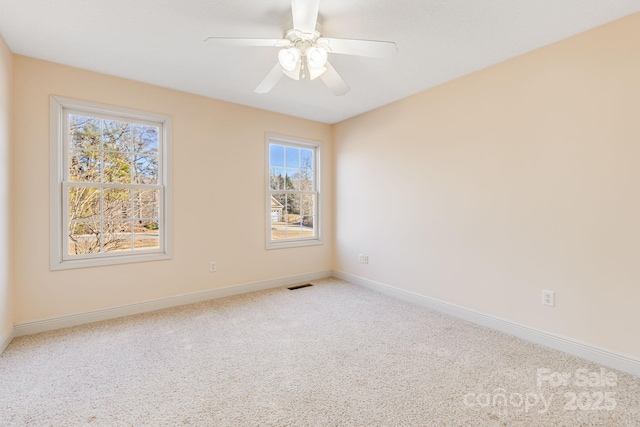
column 293, row 288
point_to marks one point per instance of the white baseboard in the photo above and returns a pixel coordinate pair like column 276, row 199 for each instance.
column 37, row 326
column 593, row 353
column 5, row 339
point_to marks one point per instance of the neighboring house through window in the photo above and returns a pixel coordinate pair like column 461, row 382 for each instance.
column 110, row 194
column 293, row 214
column 276, row 210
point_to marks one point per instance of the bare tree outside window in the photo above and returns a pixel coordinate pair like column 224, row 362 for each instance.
column 110, row 164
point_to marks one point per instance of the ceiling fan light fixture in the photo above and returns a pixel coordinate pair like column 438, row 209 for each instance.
column 316, row 58
column 295, row 73
column 289, row 58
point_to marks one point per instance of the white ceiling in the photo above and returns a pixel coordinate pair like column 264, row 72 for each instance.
column 161, row 42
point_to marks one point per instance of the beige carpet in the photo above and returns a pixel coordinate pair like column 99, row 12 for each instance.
column 334, row 354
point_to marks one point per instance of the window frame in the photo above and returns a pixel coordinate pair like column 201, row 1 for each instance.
column 60, row 108
column 316, row 147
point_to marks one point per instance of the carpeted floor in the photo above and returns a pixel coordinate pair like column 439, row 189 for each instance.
column 334, row 354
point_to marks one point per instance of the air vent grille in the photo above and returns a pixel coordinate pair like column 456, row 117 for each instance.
column 306, row 285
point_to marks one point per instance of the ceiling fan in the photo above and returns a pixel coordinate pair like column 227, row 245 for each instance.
column 304, row 51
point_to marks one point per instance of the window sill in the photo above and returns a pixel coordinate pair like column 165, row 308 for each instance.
column 293, row 244
column 112, row 260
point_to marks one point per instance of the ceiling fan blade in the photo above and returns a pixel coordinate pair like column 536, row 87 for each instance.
column 270, row 81
column 370, row 48
column 333, row 81
column 234, row 42
column 305, row 15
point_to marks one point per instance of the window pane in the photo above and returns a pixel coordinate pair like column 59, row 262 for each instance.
column 146, row 204
column 116, row 136
column 293, row 157
column 85, row 132
column 145, row 140
column 293, row 204
column 116, row 203
column 145, row 146
column 117, row 167
column 116, row 235
column 277, row 207
column 292, row 182
column 147, row 235
column 279, row 219
column 279, row 228
column 84, row 166
column 278, row 233
column 293, row 220
column 308, row 204
column 306, row 170
column 306, row 158
column 84, row 237
column 83, row 203
column 280, row 201
column 307, row 227
column 276, row 178
column 302, row 179
column 276, row 155
column 145, row 170
column 294, row 231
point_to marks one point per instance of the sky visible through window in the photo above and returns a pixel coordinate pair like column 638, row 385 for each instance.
column 282, row 158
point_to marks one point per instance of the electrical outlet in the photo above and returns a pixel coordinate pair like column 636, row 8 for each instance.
column 213, row 267
column 366, row 259
column 548, row 298
column 361, row 259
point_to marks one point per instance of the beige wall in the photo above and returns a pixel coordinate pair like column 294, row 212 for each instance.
column 218, row 196
column 6, row 78
column 524, row 176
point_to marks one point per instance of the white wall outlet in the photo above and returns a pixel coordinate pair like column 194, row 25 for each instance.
column 213, row 267
column 366, row 259
column 361, row 259
column 548, row 298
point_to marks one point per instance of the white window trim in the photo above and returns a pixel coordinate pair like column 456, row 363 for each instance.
column 302, row 143
column 58, row 151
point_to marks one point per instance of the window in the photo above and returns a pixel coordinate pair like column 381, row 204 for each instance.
column 110, row 192
column 292, row 211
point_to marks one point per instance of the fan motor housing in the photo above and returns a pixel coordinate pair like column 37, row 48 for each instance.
column 301, row 40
